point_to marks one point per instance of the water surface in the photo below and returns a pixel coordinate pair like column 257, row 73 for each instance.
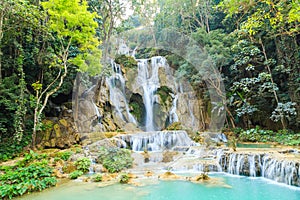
column 243, row 188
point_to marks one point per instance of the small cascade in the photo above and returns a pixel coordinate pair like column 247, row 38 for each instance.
column 252, row 167
column 116, row 83
column 280, row 171
column 262, row 165
column 156, row 141
column 173, row 115
column 97, row 113
column 92, row 166
column 149, row 80
column 87, row 154
column 191, row 113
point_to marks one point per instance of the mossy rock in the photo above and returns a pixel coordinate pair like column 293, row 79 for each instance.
column 137, row 108
column 126, row 61
column 174, row 126
column 168, row 156
column 48, row 124
column 69, row 168
column 63, row 122
column 164, row 93
column 57, row 130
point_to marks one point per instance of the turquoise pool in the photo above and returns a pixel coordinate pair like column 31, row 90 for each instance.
column 242, row 188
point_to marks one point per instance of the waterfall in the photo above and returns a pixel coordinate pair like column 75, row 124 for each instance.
column 173, row 114
column 260, row 164
column 97, row 113
column 156, row 141
column 191, row 113
column 149, row 80
column 252, row 168
column 116, row 83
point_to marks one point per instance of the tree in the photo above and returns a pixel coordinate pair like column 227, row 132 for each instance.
column 187, row 15
column 272, row 26
column 18, row 24
column 71, row 24
column 110, row 13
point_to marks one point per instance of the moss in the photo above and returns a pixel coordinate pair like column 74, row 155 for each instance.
column 126, row 61
column 136, row 110
column 174, row 126
column 164, row 93
column 124, row 178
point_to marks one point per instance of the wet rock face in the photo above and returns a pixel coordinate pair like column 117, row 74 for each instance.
column 145, row 94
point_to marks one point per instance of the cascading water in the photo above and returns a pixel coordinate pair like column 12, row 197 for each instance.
column 264, row 165
column 155, row 141
column 173, row 115
column 149, row 80
column 116, row 83
column 97, row 113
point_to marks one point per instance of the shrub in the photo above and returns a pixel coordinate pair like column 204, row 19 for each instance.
column 115, row 159
column 97, row 178
column 124, row 178
column 256, row 134
column 35, row 177
column 65, row 155
column 75, row 174
column 30, row 157
column 83, row 164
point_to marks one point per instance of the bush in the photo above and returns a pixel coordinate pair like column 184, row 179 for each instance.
column 30, row 157
column 97, row 178
column 124, row 178
column 256, row 134
column 115, row 159
column 17, row 181
column 75, row 174
column 65, row 155
column 10, row 149
column 83, row 164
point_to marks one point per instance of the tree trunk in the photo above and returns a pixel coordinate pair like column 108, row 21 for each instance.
column 76, row 97
column 273, row 83
column 38, row 111
column 35, row 120
column 230, row 117
column 1, row 36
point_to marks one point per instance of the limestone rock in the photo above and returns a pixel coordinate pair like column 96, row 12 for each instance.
column 131, row 127
column 149, row 173
column 62, row 134
column 169, row 176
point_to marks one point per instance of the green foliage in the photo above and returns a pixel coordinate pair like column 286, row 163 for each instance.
column 115, row 159
column 74, row 24
column 136, row 110
column 257, row 134
column 75, row 174
column 124, row 178
column 174, row 126
column 97, row 178
column 64, row 155
column 26, row 176
column 83, row 164
column 126, row 61
column 10, row 149
column 164, row 93
column 30, row 157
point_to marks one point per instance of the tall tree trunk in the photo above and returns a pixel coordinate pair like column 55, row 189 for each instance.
column 39, row 110
column 272, row 81
column 1, row 36
column 76, row 97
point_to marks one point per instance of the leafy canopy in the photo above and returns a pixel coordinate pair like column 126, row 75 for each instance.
column 75, row 25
